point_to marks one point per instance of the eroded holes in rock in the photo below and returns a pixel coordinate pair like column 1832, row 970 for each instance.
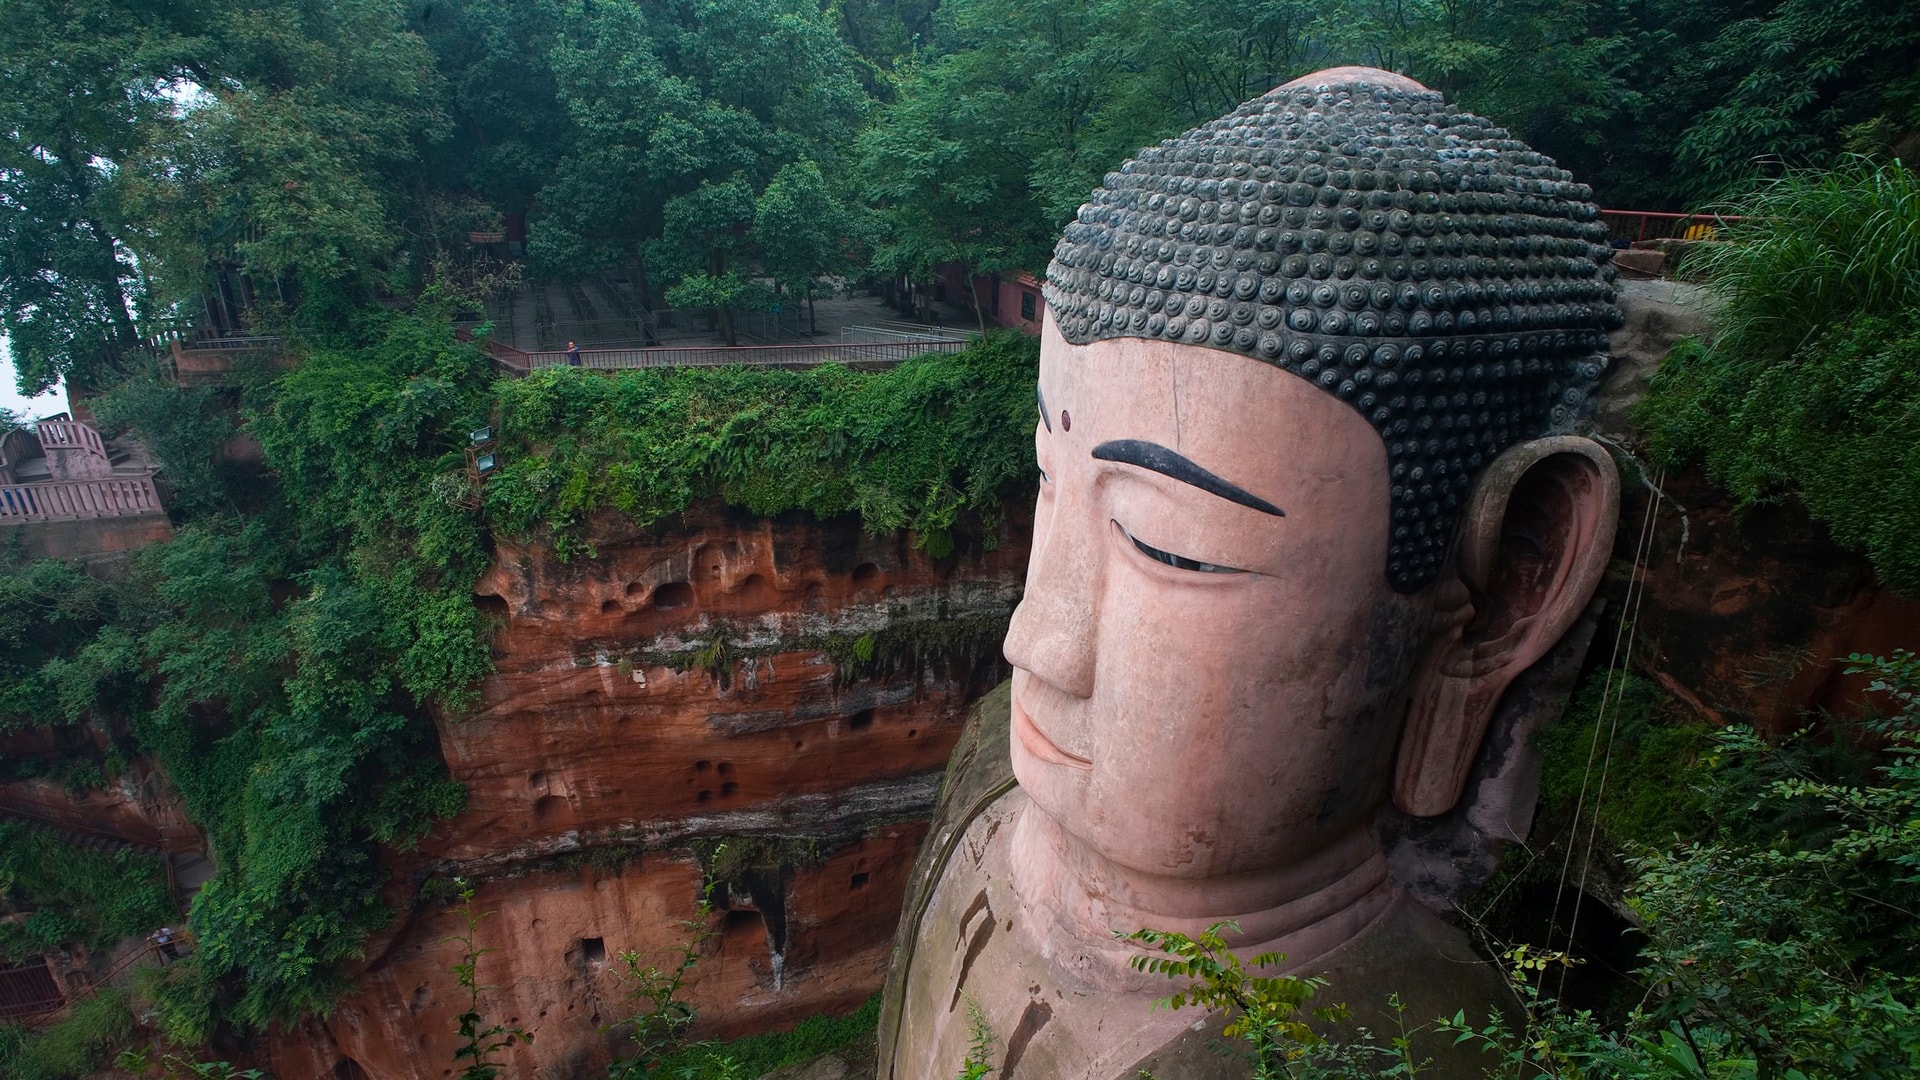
column 860, row 721
column 799, row 744
column 608, row 607
column 756, row 592
column 490, row 604
column 913, row 733
column 744, row 922
column 860, row 881
column 548, row 807
column 593, row 950
column 349, row 1069
column 865, row 575
column 635, row 588
column 674, row 594
column 729, row 788
column 702, row 766
column 726, row 768
column 537, row 781
column 703, row 796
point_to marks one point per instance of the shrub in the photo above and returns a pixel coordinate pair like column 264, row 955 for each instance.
column 77, row 1046
column 918, row 447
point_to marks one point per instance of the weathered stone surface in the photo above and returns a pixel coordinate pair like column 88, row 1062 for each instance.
column 589, row 748
column 1657, row 314
column 558, row 936
column 1644, row 262
column 589, row 734
column 94, row 540
column 137, row 806
column 1748, row 617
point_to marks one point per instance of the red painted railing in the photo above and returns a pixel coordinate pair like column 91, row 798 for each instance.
column 1638, row 225
column 76, row 500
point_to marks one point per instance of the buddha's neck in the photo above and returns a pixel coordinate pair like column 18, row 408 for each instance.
column 1304, row 911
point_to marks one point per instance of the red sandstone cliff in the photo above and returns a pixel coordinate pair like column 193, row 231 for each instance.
column 681, row 687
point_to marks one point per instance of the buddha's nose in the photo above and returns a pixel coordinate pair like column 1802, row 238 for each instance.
column 1053, row 630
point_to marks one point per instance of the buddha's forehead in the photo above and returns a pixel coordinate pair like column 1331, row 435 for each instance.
column 1255, row 424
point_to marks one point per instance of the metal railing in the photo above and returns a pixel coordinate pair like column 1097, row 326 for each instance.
column 887, row 332
column 244, row 343
column 1638, row 225
column 48, row 1010
column 793, row 356
column 78, row 500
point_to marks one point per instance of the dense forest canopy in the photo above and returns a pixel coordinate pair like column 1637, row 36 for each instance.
column 330, row 150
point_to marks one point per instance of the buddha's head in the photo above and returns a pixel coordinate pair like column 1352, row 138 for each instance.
column 1308, row 504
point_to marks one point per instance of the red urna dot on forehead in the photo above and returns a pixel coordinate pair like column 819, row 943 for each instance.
column 1066, row 422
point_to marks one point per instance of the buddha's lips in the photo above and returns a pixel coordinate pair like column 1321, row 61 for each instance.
column 1039, row 745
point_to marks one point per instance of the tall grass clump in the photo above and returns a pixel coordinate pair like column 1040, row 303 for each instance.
column 1810, row 387
column 79, row 1045
column 1812, row 249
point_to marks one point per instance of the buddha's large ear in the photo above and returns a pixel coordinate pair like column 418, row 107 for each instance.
column 1537, row 534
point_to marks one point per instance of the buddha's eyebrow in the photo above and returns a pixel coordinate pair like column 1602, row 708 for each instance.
column 1041, row 400
column 1157, row 458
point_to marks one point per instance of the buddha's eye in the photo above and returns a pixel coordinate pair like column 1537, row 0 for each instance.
column 1178, row 562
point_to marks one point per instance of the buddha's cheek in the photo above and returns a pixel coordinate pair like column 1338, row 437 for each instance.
column 1231, row 728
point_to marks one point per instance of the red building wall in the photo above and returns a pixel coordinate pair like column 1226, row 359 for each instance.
column 1011, row 300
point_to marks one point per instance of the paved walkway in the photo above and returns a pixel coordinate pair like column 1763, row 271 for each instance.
column 603, row 313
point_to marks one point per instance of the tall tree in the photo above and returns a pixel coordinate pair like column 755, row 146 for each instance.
column 666, row 97
column 806, row 232
column 994, row 141
column 89, row 86
column 293, row 162
column 702, row 236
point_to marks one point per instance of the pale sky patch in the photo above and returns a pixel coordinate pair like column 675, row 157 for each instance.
column 47, row 404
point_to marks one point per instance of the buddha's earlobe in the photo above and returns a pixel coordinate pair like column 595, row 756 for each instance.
column 1535, row 539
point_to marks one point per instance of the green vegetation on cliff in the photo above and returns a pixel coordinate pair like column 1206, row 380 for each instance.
column 914, row 448
column 1810, row 386
column 75, row 894
column 282, row 656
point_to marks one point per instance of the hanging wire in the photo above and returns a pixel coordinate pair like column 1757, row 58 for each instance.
column 1630, row 609
column 1606, row 763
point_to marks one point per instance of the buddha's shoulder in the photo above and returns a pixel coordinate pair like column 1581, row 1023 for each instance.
column 979, row 775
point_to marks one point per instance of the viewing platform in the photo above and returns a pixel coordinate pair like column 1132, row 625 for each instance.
column 68, row 493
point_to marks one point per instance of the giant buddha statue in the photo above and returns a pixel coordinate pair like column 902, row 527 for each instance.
column 1310, row 501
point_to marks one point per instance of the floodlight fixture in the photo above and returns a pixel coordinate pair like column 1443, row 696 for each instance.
column 484, row 464
column 481, row 435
